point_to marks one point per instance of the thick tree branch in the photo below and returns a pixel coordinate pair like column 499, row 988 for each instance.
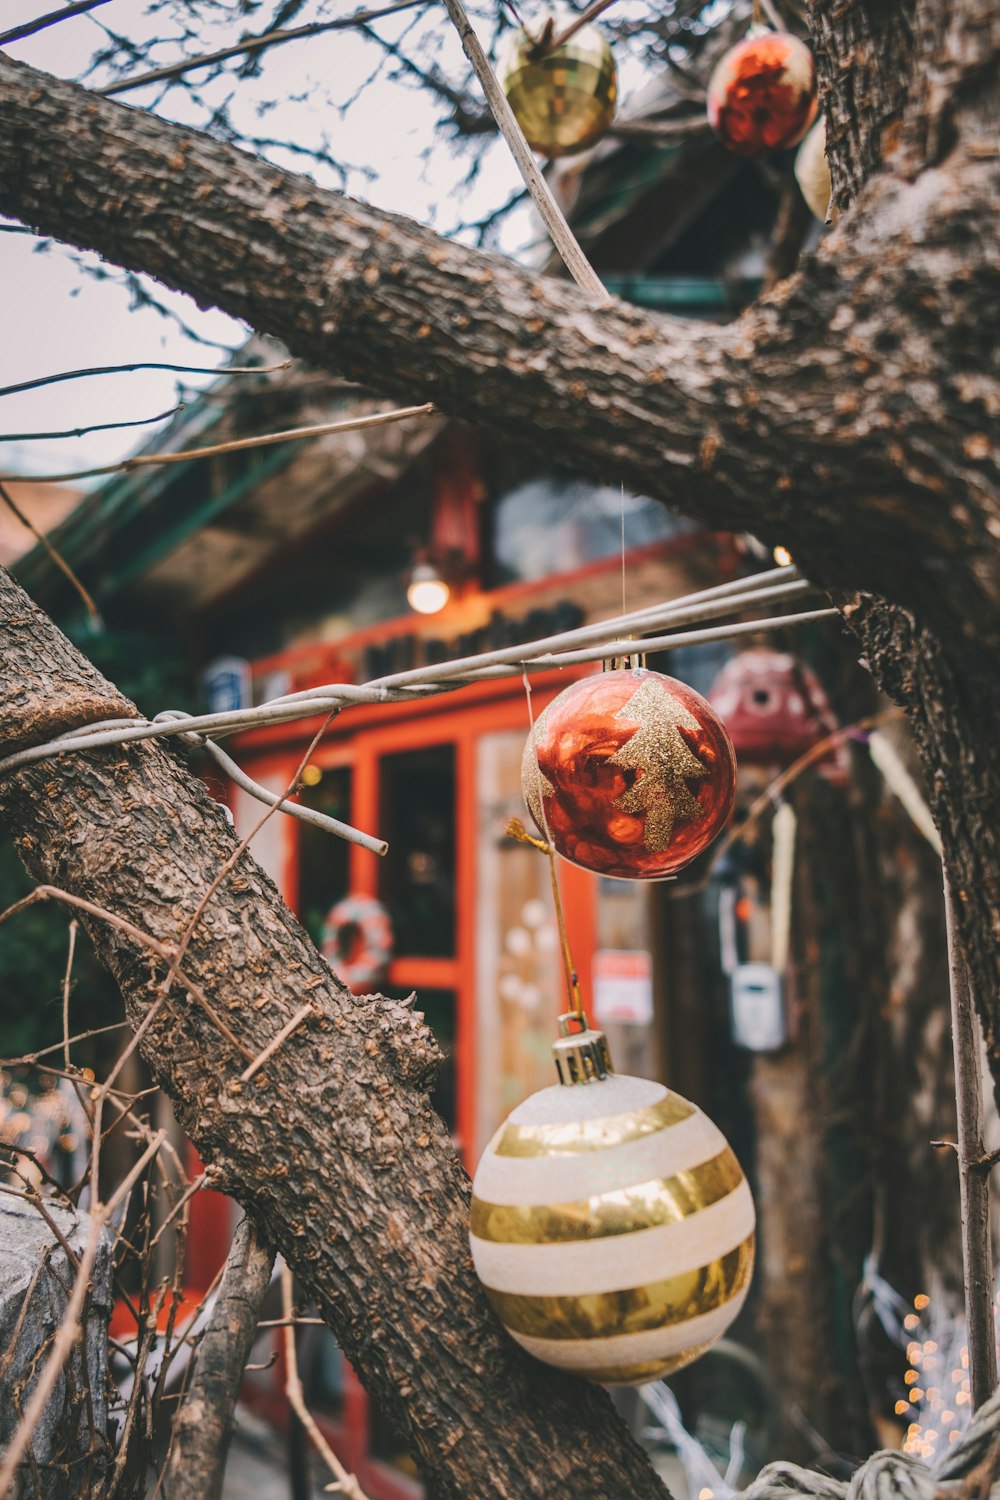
column 204, row 1424
column 333, row 1148
column 848, row 415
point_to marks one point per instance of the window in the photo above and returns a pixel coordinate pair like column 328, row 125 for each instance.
column 558, row 522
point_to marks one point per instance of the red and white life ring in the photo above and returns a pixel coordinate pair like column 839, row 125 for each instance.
column 357, row 942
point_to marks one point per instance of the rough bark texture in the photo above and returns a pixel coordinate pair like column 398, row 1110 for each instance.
column 333, row 1148
column 851, row 415
column 847, row 415
column 204, row 1425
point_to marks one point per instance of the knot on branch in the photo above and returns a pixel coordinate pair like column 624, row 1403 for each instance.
column 408, row 1042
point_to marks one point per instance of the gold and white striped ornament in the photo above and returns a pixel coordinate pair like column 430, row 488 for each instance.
column 612, row 1227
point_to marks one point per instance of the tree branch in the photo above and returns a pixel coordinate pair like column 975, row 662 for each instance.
column 334, row 1149
column 204, row 1424
column 801, row 422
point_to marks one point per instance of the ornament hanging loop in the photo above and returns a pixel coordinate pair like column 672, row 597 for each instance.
column 581, row 1055
column 632, row 661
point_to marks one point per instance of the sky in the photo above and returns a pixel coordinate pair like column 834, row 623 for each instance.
column 62, row 318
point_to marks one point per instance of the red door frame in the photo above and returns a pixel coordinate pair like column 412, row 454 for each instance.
column 359, row 741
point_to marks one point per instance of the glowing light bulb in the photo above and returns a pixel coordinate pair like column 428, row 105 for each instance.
column 427, row 592
column 782, row 557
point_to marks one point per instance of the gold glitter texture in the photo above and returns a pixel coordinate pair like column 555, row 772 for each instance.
column 534, row 783
column 664, row 762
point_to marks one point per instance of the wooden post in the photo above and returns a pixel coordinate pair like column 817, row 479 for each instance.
column 977, row 1259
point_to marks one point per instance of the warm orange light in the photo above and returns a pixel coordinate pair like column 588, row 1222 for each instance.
column 427, row 592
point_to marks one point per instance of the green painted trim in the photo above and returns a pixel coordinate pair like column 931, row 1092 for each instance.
column 683, row 292
column 174, row 536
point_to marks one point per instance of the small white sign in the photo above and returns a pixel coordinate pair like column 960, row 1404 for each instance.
column 226, row 684
column 758, row 1008
column 623, row 987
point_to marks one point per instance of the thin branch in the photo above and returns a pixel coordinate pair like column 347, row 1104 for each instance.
column 68, row 432
column 70, row 1327
column 235, row 445
column 345, row 1482
column 30, row 385
column 273, row 1045
column 73, row 928
column 579, row 22
column 552, row 215
column 169, row 955
column 256, row 45
column 204, row 1423
column 52, row 18
column 57, row 557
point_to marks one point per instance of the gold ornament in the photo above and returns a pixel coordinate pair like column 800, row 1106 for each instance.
column 612, row 1227
column 812, row 173
column 562, row 97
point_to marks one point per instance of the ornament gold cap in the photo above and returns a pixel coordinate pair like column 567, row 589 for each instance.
column 582, row 1055
column 631, row 661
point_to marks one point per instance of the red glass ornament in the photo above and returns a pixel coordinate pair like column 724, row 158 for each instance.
column 635, row 774
column 762, row 94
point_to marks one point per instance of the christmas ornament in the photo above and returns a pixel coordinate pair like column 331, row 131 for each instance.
column 357, row 942
column 762, row 94
column 612, row 1227
column 563, row 97
column 775, row 709
column 630, row 774
column 812, row 173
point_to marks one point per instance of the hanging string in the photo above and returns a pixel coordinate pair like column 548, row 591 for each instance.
column 623, row 548
column 517, row 830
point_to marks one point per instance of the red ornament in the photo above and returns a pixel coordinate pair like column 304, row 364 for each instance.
column 635, row 774
column 762, row 94
column 775, row 709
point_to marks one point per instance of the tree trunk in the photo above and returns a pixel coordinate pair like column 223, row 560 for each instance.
column 333, row 1147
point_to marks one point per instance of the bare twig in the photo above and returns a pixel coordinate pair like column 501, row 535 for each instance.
column 68, row 432
column 255, row 45
column 275, row 1043
column 552, row 215
column 73, row 928
column 977, row 1259
column 51, row 18
column 345, row 1482
column 31, row 385
column 203, row 1426
column 162, row 950
column 70, row 1327
column 56, row 557
column 579, row 22
column 234, row 445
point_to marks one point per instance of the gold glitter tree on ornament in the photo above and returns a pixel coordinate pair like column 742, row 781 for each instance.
column 663, row 760
column 535, row 783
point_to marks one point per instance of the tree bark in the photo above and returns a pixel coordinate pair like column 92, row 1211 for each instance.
column 333, row 1148
column 847, row 415
column 850, row 415
column 204, row 1425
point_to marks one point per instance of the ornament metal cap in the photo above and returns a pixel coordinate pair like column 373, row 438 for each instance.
column 632, row 661
column 582, row 1055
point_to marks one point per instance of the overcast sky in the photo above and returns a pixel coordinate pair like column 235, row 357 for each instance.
column 60, row 318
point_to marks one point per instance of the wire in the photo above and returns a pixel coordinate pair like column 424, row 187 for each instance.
column 587, row 643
